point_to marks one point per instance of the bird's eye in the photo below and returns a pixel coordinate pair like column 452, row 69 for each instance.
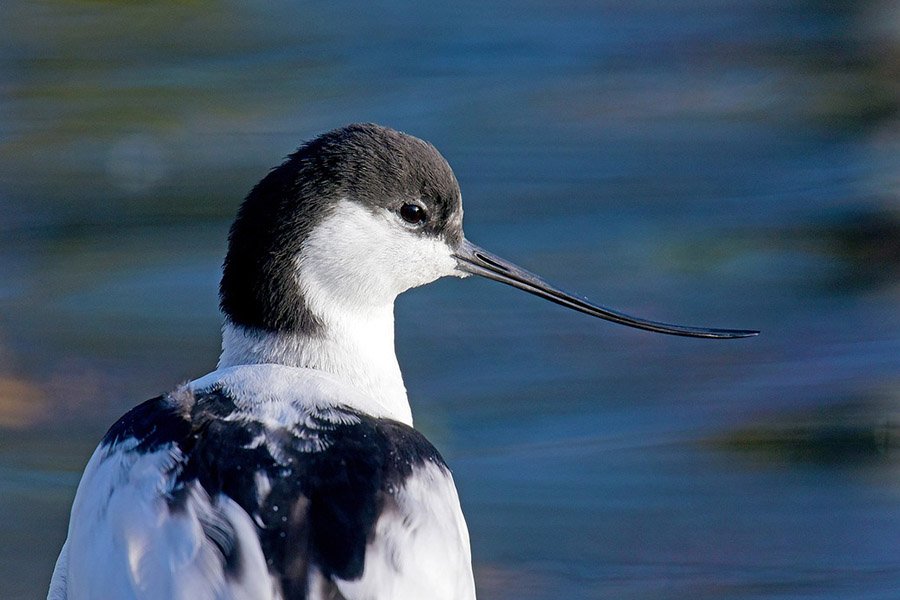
column 413, row 213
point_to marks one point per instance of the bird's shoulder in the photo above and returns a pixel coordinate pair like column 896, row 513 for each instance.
column 216, row 431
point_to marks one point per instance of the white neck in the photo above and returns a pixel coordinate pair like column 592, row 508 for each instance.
column 358, row 349
column 351, row 268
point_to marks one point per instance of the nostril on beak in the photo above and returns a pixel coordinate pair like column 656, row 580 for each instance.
column 493, row 263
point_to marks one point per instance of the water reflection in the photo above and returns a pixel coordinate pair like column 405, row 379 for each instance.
column 856, row 433
column 716, row 163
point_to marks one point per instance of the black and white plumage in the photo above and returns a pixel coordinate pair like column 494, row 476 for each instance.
column 293, row 470
column 260, row 481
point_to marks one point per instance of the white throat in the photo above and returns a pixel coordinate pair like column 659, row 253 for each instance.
column 350, row 270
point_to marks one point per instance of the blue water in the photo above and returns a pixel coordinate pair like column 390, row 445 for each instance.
column 705, row 162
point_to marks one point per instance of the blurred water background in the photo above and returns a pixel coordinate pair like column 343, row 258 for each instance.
column 708, row 162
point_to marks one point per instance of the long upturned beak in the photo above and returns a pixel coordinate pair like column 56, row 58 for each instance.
column 474, row 260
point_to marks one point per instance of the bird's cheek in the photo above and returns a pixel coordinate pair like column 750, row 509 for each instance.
column 428, row 259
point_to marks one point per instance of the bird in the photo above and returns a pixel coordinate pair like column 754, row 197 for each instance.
column 293, row 470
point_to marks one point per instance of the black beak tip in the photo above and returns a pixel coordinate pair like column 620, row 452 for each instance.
column 735, row 334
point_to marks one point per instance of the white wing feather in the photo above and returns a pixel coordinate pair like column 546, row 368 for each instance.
column 420, row 548
column 124, row 540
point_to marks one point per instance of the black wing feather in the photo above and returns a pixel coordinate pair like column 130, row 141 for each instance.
column 322, row 504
